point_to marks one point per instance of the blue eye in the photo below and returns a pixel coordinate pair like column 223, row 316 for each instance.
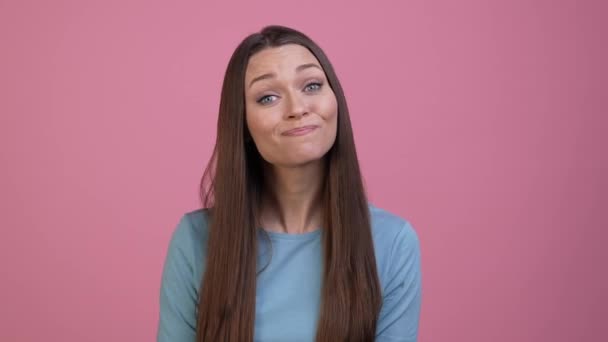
column 265, row 99
column 310, row 87
column 313, row 86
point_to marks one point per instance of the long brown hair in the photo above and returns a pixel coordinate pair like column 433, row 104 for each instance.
column 231, row 188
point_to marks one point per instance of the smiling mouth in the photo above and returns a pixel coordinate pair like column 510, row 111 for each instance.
column 300, row 131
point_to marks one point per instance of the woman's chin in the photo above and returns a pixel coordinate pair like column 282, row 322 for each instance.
column 303, row 160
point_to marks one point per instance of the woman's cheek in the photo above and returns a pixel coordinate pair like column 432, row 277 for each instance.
column 330, row 108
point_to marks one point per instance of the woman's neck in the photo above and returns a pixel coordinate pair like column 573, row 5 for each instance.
column 293, row 201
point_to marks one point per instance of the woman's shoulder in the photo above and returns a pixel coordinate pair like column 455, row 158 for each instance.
column 395, row 239
column 197, row 221
column 191, row 233
column 389, row 230
column 385, row 224
column 388, row 226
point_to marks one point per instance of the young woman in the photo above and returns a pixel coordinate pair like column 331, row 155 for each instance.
column 287, row 247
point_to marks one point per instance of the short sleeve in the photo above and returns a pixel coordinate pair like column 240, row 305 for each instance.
column 179, row 289
column 400, row 313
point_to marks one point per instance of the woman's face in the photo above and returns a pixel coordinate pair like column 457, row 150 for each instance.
column 286, row 89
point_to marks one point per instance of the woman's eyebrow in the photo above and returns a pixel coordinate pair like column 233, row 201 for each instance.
column 308, row 65
column 272, row 75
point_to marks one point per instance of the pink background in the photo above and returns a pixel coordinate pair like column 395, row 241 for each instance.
column 483, row 123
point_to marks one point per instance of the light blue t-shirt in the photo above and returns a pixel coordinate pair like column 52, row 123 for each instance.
column 288, row 291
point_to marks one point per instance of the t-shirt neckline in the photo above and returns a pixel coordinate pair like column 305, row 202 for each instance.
column 290, row 236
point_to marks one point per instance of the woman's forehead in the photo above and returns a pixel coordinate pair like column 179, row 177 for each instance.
column 285, row 58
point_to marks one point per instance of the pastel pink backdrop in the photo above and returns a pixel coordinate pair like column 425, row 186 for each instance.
column 482, row 122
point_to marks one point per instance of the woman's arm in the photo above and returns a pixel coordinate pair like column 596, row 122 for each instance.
column 179, row 289
column 400, row 313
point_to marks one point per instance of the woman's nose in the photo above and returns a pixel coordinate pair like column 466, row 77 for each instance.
column 296, row 107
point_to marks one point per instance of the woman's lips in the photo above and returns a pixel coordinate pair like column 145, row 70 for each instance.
column 300, row 130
